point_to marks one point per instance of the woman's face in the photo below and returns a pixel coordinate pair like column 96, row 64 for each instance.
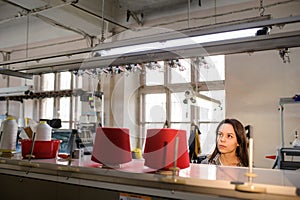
column 226, row 139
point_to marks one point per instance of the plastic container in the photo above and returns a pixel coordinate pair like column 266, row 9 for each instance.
column 43, row 132
column 9, row 131
column 42, row 149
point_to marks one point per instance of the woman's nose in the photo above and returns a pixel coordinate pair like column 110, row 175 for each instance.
column 221, row 138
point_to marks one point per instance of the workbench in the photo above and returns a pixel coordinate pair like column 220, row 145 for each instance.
column 84, row 179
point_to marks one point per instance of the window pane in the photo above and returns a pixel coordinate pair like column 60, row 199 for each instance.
column 78, row 82
column 208, row 137
column 65, row 80
column 180, row 112
column 64, row 108
column 182, row 126
column 181, row 74
column 155, row 107
column 186, row 127
column 48, row 82
column 212, row 68
column 77, row 112
column 47, row 108
column 154, row 125
column 210, row 115
column 65, row 125
column 155, row 74
column 210, row 111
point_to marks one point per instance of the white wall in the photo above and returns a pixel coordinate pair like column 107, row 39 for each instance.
column 254, row 84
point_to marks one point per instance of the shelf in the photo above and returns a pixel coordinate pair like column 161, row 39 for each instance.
column 283, row 101
column 50, row 94
column 284, row 164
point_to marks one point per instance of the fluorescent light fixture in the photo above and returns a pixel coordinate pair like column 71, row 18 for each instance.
column 180, row 42
column 240, row 45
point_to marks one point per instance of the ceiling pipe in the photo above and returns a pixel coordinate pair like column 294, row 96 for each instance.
column 36, row 12
column 32, row 11
column 57, row 24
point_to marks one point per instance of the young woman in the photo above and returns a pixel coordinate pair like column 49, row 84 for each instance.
column 231, row 145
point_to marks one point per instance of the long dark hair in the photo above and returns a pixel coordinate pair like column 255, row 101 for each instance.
column 241, row 150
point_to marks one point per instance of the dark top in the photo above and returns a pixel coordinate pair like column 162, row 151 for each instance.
column 216, row 161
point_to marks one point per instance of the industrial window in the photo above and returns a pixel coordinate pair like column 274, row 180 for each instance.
column 57, row 107
column 165, row 96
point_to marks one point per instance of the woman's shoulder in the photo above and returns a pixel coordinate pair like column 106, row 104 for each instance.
column 205, row 161
column 208, row 160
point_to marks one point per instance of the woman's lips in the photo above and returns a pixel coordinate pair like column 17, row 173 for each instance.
column 222, row 147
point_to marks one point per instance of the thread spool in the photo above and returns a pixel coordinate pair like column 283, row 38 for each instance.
column 112, row 146
column 43, row 131
column 9, row 131
column 161, row 147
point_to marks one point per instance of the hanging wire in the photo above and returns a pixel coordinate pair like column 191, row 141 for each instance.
column 27, row 36
column 196, row 75
column 189, row 12
column 102, row 31
column 261, row 8
column 27, row 42
column 243, row 10
column 215, row 11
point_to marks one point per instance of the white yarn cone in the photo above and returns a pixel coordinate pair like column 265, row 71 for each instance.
column 9, row 128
